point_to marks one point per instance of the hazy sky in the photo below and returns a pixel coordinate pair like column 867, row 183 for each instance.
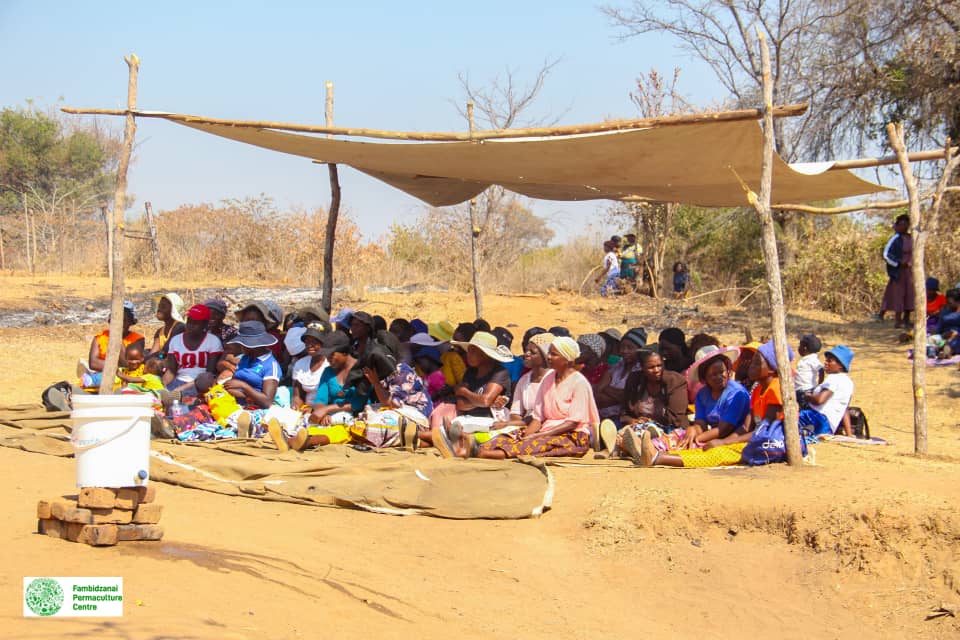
column 394, row 66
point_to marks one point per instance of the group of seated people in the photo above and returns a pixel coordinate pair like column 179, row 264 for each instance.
column 306, row 380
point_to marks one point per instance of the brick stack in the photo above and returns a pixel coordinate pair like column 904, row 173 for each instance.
column 102, row 517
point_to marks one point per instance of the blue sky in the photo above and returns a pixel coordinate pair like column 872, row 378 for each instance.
column 394, row 66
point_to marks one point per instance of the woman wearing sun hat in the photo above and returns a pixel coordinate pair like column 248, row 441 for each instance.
column 829, row 400
column 258, row 373
column 452, row 362
column 483, row 382
column 563, row 418
column 170, row 313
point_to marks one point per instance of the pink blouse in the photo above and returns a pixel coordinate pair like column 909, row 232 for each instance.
column 572, row 399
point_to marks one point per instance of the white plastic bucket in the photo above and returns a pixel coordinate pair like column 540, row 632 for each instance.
column 111, row 439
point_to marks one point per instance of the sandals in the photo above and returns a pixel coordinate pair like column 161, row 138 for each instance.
column 607, row 439
column 243, row 425
column 442, row 442
column 648, row 452
column 633, row 444
column 276, row 434
column 408, row 434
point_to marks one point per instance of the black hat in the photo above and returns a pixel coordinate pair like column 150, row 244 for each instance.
column 335, row 341
column 811, row 342
column 504, row 336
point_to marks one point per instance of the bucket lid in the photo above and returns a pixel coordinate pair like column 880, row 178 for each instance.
column 91, row 401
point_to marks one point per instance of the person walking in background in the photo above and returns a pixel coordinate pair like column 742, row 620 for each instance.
column 630, row 256
column 681, row 280
column 611, row 269
column 898, row 254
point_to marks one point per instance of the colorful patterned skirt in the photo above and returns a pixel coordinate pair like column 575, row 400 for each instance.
column 573, row 444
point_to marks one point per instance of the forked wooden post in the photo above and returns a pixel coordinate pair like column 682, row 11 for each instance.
column 895, row 136
column 332, row 215
column 474, row 234
column 771, row 259
column 115, row 342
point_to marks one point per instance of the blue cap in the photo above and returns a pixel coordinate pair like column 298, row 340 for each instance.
column 770, row 355
column 843, row 354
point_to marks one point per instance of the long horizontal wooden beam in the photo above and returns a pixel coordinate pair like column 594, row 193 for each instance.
column 864, row 206
column 916, row 156
column 531, row 132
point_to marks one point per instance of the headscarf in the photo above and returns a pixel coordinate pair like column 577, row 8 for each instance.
column 543, row 341
column 594, row 342
column 567, row 347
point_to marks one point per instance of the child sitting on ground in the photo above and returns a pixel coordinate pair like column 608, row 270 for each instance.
column 809, row 369
column 132, row 373
column 224, row 407
column 149, row 381
column 828, row 402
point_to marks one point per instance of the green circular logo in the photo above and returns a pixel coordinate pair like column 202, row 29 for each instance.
column 44, row 596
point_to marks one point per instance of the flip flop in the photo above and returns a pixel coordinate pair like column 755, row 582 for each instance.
column 648, row 452
column 276, row 434
column 442, row 442
column 632, row 444
column 608, row 438
column 408, row 434
column 243, row 424
column 300, row 440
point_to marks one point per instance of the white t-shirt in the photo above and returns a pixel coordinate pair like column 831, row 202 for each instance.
column 808, row 372
column 309, row 380
column 193, row 362
column 834, row 408
column 611, row 265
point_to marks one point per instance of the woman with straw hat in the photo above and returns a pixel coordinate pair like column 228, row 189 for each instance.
column 483, row 382
column 563, row 419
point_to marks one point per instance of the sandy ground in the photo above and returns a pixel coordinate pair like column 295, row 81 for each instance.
column 865, row 544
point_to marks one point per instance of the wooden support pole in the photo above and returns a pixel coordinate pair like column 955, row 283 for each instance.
column 895, row 136
column 474, row 235
column 531, row 132
column 332, row 214
column 154, row 240
column 771, row 258
column 115, row 343
column 916, row 156
column 109, row 226
column 26, row 232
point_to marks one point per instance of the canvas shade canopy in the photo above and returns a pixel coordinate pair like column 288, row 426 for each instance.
column 698, row 163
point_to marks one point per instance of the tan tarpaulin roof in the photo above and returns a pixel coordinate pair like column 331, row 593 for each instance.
column 690, row 163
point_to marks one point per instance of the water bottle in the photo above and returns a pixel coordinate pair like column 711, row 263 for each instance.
column 178, row 409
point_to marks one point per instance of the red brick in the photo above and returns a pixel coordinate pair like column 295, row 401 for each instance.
column 147, row 493
column 68, row 511
column 111, row 516
column 96, row 535
column 148, row 513
column 51, row 527
column 127, row 498
column 43, row 510
column 96, row 498
column 139, row 532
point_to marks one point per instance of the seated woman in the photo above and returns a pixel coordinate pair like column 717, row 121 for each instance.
column 170, row 314
column 609, row 391
column 564, row 415
column 336, row 402
column 652, row 399
column 726, row 447
column 192, row 352
column 525, row 393
column 696, row 347
column 265, row 312
column 218, row 313
column 257, row 375
column 308, row 370
column 98, row 346
column 673, row 349
column 475, row 398
column 592, row 363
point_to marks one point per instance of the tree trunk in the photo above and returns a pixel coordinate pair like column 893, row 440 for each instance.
column 26, row 232
column 109, row 226
column 895, row 135
column 115, row 342
column 778, row 319
column 332, row 215
column 474, row 235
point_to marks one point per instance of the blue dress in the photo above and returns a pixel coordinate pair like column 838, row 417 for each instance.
column 731, row 407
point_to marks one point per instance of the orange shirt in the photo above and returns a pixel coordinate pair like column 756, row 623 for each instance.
column 934, row 306
column 103, row 338
column 761, row 398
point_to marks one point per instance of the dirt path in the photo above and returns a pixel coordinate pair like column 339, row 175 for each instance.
column 863, row 545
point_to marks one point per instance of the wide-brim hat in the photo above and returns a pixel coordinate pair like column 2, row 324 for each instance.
column 612, row 333
column 259, row 305
column 442, row 331
column 216, row 304
column 843, row 354
column 176, row 304
column 252, row 334
column 704, row 355
column 314, row 311
column 425, row 340
column 487, row 343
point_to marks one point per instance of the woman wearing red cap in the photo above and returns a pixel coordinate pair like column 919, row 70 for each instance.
column 192, row 352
